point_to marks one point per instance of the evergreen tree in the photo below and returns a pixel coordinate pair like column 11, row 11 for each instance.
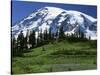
column 20, row 41
column 52, row 37
column 37, row 42
column 61, row 33
column 79, row 33
column 41, row 39
column 49, row 35
column 82, row 35
column 25, row 43
column 57, row 35
column 19, row 45
column 45, row 35
column 41, row 36
column 32, row 39
column 89, row 37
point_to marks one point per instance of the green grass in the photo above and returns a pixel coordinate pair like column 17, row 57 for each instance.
column 59, row 56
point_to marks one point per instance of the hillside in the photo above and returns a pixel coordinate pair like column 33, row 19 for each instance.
column 57, row 56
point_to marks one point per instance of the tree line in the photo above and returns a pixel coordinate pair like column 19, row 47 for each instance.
column 23, row 43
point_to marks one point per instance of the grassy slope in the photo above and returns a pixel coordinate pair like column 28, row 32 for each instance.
column 44, row 59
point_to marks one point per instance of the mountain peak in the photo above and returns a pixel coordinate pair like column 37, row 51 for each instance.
column 52, row 17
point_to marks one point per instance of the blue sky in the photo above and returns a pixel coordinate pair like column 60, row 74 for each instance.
column 21, row 9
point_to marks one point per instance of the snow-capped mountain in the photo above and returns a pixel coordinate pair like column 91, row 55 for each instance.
column 52, row 17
